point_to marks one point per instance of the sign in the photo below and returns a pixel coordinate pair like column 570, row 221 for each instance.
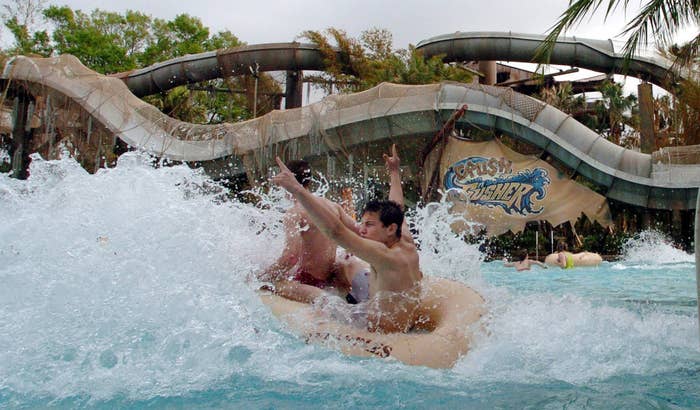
column 498, row 189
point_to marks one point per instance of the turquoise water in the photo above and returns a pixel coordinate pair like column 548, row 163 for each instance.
column 131, row 288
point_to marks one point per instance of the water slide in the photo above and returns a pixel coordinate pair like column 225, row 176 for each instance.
column 342, row 121
column 596, row 55
column 223, row 63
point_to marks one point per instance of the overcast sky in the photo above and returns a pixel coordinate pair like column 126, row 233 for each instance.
column 410, row 21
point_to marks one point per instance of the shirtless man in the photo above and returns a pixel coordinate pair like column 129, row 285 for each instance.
column 525, row 263
column 384, row 241
column 308, row 263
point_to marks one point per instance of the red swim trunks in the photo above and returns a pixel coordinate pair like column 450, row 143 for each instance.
column 306, row 278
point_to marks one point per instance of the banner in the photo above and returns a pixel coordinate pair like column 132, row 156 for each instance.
column 498, row 189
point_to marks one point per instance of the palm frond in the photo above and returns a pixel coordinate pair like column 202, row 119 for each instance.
column 663, row 18
column 573, row 15
column 658, row 19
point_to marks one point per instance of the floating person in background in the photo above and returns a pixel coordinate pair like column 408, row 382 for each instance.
column 525, row 263
column 384, row 241
column 567, row 260
column 308, row 263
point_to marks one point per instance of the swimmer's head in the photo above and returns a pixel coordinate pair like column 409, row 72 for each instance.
column 388, row 213
column 301, row 170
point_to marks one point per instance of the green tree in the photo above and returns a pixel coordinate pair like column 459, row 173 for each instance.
column 131, row 30
column 182, row 35
column 232, row 106
column 207, row 102
column 355, row 65
column 22, row 18
column 180, row 103
column 94, row 39
column 110, row 42
column 27, row 13
column 222, row 39
column 561, row 96
column 616, row 111
column 27, row 43
column 378, row 43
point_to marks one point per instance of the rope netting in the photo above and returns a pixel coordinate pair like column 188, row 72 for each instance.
column 677, row 164
column 72, row 106
column 88, row 111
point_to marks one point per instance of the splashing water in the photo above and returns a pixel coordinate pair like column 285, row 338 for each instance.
column 654, row 248
column 132, row 288
column 4, row 157
column 442, row 252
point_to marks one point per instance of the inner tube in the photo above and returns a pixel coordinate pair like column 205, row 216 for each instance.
column 580, row 259
column 446, row 321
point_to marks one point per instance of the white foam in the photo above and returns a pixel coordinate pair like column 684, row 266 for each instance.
column 134, row 281
column 653, row 248
column 540, row 337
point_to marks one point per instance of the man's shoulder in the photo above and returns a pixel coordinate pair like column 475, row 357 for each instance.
column 405, row 254
column 332, row 203
column 408, row 246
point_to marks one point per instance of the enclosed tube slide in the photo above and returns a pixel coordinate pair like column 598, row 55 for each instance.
column 387, row 111
column 223, row 63
column 596, row 55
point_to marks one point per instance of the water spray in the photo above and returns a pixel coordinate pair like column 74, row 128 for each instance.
column 697, row 255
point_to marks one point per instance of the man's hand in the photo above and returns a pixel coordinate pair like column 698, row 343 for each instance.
column 393, row 162
column 285, row 178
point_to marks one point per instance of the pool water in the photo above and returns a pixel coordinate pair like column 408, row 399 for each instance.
column 132, row 288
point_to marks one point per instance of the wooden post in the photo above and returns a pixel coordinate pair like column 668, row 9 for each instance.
column 551, row 239
column 20, row 136
column 646, row 118
column 488, row 68
column 293, row 89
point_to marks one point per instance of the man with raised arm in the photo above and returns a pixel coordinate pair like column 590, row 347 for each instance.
column 384, row 241
column 308, row 263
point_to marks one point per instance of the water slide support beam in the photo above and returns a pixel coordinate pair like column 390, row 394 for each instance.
column 20, row 136
column 293, row 89
column 488, row 68
column 646, row 118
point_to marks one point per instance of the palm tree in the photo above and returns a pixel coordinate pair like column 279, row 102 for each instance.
column 661, row 19
column 561, row 96
column 615, row 110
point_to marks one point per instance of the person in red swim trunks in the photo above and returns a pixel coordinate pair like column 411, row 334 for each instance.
column 308, row 263
column 383, row 241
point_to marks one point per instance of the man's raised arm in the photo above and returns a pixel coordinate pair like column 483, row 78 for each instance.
column 328, row 220
column 393, row 166
column 325, row 217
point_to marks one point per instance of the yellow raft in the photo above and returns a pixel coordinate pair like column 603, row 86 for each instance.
column 448, row 316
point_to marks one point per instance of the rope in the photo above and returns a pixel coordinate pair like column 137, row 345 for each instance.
column 441, row 139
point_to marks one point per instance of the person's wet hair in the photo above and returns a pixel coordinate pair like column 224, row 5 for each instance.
column 301, row 170
column 561, row 247
column 389, row 213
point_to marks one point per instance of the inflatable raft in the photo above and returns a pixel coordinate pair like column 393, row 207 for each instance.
column 447, row 319
column 579, row 259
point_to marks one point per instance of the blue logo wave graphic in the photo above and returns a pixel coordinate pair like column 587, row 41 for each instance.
column 523, row 186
